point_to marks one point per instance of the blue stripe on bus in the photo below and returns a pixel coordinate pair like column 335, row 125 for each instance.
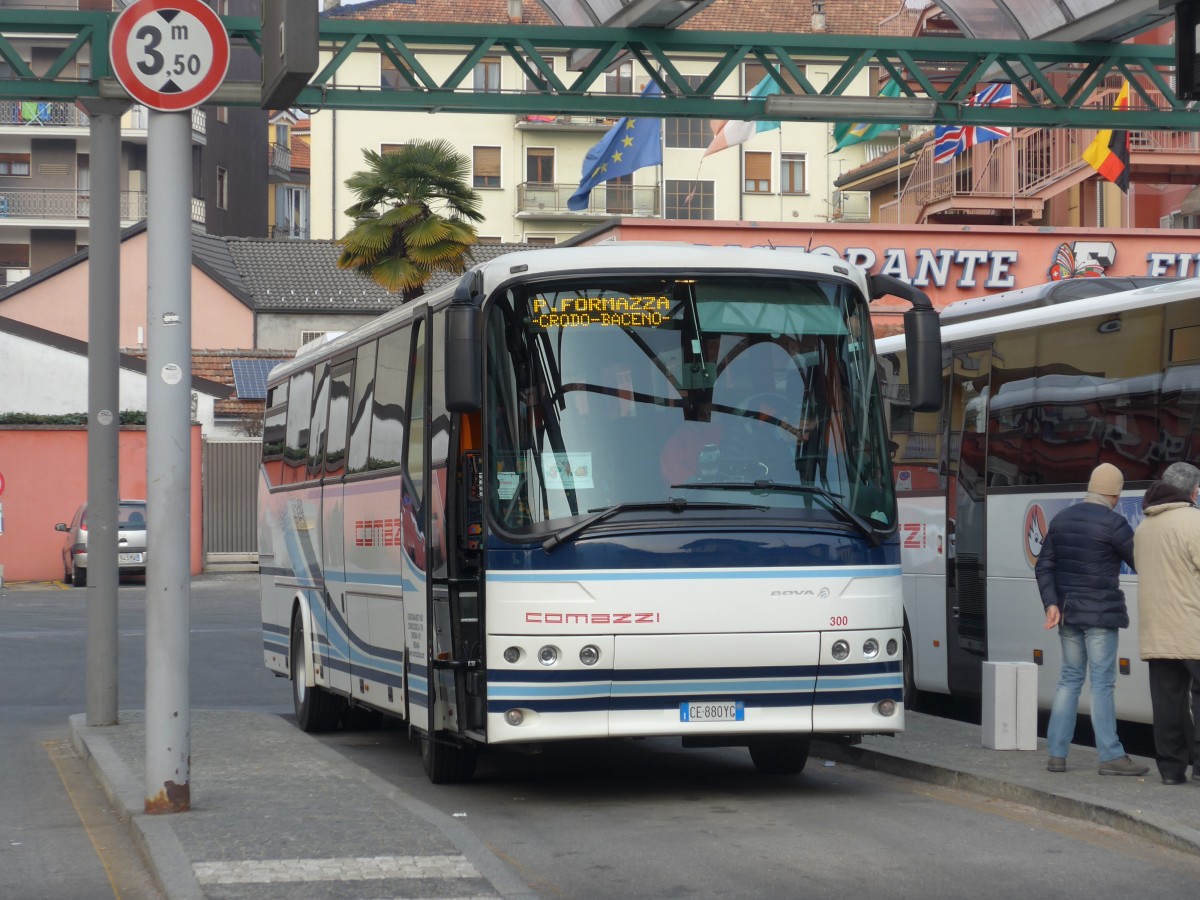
column 524, row 577
column 691, row 673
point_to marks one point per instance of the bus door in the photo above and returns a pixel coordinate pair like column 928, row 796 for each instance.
column 454, row 539
column 338, row 650
column 966, row 564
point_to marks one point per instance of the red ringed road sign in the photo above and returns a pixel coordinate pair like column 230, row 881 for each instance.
column 169, row 55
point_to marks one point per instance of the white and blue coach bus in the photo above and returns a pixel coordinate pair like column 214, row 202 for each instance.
column 1038, row 390
column 596, row 492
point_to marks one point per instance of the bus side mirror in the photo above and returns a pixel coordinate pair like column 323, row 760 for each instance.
column 464, row 359
column 923, row 344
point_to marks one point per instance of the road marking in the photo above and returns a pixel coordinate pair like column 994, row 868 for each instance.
column 285, row 871
column 59, row 751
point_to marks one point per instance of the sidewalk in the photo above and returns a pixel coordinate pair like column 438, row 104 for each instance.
column 263, row 822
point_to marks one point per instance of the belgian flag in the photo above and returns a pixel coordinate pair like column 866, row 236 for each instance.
column 1108, row 154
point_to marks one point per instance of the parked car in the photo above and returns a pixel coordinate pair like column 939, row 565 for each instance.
column 131, row 542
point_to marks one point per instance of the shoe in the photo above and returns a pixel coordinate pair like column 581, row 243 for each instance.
column 1174, row 779
column 1057, row 764
column 1122, row 765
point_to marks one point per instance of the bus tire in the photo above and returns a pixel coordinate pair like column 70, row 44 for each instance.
column 780, row 754
column 317, row 710
column 446, row 763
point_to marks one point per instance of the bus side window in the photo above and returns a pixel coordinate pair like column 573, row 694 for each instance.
column 362, row 406
column 339, row 403
column 320, row 416
column 299, row 419
column 274, row 435
column 391, row 381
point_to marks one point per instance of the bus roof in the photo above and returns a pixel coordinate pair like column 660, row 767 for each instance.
column 1158, row 294
column 1044, row 295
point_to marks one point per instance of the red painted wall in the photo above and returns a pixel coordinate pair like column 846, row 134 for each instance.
column 45, row 478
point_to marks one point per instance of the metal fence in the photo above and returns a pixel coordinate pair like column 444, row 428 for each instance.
column 231, row 498
column 47, row 204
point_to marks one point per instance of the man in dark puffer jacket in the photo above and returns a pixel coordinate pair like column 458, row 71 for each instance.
column 1077, row 575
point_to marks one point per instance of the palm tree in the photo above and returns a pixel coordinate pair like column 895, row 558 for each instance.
column 411, row 216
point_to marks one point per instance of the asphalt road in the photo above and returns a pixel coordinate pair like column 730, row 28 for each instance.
column 58, row 838
column 595, row 820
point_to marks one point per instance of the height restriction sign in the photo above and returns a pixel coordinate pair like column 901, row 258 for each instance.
column 169, row 55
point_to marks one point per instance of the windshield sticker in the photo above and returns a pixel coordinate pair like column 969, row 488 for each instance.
column 506, row 485
column 568, row 471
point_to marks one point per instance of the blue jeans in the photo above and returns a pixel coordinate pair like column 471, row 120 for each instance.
column 1086, row 651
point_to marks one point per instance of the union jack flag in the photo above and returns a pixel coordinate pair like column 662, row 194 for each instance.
column 951, row 140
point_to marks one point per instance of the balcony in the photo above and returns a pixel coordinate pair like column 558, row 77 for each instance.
column 22, row 206
column 279, row 163
column 289, row 231
column 563, row 123
column 538, row 201
column 35, row 114
column 1008, row 182
column 12, row 276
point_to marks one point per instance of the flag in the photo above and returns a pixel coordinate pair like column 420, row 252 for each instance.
column 951, row 140
column 630, row 144
column 847, row 133
column 1108, row 154
column 730, row 133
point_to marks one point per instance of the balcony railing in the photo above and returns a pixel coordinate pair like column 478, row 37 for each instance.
column 279, row 161
column 44, row 204
column 41, row 114
column 289, row 231
column 199, row 211
column 606, row 199
column 564, row 123
column 1018, row 173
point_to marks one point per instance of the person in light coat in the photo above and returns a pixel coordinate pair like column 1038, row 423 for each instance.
column 1166, row 548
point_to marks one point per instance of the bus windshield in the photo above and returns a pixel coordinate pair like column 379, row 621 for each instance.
column 758, row 392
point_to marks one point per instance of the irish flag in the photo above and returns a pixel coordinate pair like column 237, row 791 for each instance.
column 734, row 132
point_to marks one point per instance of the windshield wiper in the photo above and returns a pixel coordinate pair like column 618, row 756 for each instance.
column 765, row 487
column 674, row 504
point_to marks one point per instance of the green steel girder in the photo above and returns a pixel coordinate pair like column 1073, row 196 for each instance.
column 943, row 69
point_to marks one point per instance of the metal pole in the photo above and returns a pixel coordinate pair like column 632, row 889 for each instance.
column 168, row 461
column 104, row 406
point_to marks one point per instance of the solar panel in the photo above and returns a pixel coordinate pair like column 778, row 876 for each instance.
column 250, row 377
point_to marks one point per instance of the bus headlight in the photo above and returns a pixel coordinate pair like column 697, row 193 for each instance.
column 548, row 655
column 512, row 654
column 886, row 707
column 892, row 647
column 589, row 655
column 840, row 650
column 870, row 648
column 514, row 717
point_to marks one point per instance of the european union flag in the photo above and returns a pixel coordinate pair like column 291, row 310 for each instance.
column 630, row 144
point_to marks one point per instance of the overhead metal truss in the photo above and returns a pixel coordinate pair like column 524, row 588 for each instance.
column 944, row 69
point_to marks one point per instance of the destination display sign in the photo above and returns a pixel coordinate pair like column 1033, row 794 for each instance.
column 605, row 311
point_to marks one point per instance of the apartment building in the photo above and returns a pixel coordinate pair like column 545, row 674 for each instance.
column 525, row 167
column 45, row 150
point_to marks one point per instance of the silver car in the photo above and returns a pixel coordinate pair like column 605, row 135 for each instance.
column 131, row 542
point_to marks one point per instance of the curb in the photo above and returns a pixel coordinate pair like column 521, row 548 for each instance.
column 1147, row 826
column 153, row 835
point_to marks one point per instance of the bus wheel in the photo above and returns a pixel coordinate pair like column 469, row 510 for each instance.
column 446, row 763
column 316, row 709
column 780, row 754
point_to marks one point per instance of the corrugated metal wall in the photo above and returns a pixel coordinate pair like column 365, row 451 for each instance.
column 231, row 497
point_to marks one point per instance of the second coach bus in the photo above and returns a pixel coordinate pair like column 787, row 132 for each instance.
column 1034, row 400
column 595, row 492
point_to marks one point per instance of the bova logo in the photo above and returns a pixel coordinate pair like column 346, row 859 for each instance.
column 1035, row 532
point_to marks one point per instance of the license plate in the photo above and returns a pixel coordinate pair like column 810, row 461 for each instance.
column 125, row 558
column 712, row 711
